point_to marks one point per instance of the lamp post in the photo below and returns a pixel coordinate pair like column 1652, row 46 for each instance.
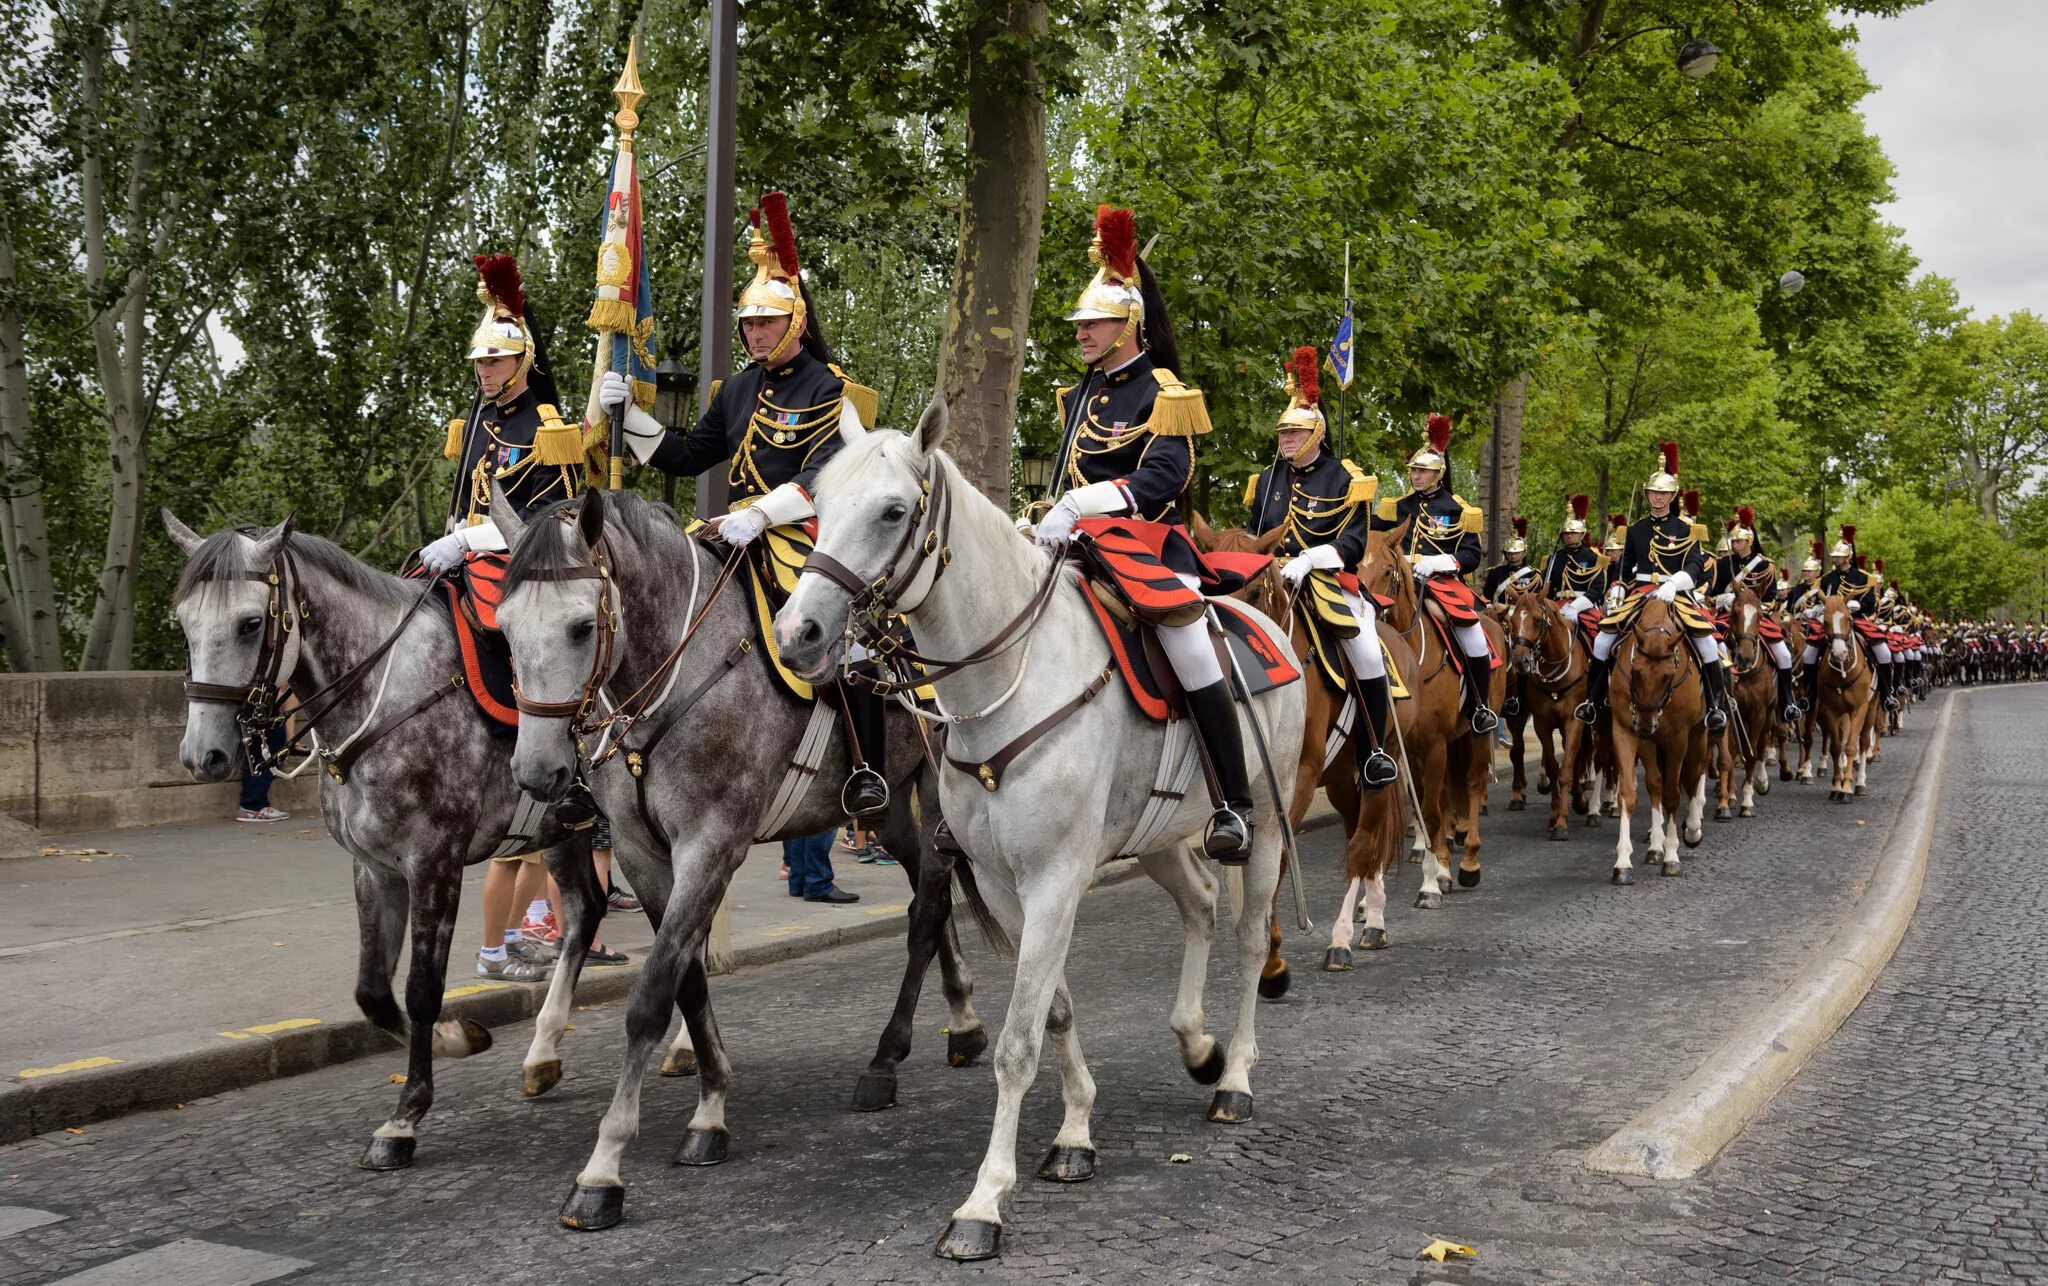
column 672, row 384
column 1697, row 57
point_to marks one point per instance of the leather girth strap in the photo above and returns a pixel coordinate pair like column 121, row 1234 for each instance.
column 636, row 760
column 338, row 767
column 989, row 772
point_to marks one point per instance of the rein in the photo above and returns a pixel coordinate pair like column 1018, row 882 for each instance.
column 1552, row 682
column 1678, row 653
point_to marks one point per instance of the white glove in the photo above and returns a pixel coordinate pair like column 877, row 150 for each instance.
column 1435, row 565
column 613, row 390
column 444, row 554
column 643, row 432
column 1855, row 607
column 1314, row 557
column 742, row 525
column 1725, row 601
column 1058, row 523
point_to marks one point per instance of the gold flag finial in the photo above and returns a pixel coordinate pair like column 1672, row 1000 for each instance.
column 629, row 94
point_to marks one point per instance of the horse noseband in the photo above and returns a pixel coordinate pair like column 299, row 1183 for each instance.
column 599, row 570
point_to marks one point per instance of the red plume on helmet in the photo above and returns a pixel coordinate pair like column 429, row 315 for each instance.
column 1521, row 526
column 1879, row 564
column 500, row 275
column 1848, row 534
column 1746, row 516
column 1581, row 505
column 1439, row 432
column 1861, row 562
column 1669, row 450
column 1617, row 520
column 1691, row 500
column 775, row 207
column 1820, row 549
column 1307, row 382
column 1117, row 229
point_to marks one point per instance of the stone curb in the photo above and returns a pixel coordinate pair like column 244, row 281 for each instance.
column 1679, row 1134
column 179, row 1069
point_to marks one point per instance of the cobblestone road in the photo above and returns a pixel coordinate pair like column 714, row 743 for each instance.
column 1450, row 1086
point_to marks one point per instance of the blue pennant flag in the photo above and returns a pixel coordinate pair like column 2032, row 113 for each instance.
column 1340, row 349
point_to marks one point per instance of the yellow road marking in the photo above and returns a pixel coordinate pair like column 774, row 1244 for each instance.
column 75, row 1065
column 783, row 930
column 474, row 989
column 270, row 1029
column 889, row 909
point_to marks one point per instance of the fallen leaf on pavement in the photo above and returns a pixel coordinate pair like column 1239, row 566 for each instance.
column 398, row 1078
column 1180, row 1158
column 72, row 1129
column 1439, row 1248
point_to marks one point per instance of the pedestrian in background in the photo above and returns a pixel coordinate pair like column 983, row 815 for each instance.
column 255, row 806
column 809, row 860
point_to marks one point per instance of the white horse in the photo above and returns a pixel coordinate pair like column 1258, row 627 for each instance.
column 894, row 512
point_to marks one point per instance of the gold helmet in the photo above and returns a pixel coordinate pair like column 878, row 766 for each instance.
column 1520, row 544
column 1727, row 545
column 1744, row 526
column 1665, row 476
column 1878, row 567
column 1617, row 532
column 777, row 288
column 1846, row 546
column 1115, row 293
column 1304, row 403
column 1812, row 563
column 502, row 330
column 1575, row 510
column 1435, row 455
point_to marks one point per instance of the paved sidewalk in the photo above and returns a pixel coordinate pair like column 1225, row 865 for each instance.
column 219, row 929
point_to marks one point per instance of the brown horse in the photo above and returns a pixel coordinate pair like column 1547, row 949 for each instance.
column 1375, row 822
column 1447, row 765
column 1656, row 719
column 1550, row 655
column 1749, row 733
column 1800, row 631
column 1848, row 687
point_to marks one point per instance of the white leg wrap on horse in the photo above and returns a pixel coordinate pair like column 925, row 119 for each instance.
column 1603, row 645
column 1707, row 648
column 1368, row 659
column 1472, row 640
column 1781, row 654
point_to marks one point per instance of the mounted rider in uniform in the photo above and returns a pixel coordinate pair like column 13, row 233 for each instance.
column 1442, row 546
column 773, row 425
column 1577, row 573
column 1850, row 579
column 514, row 435
column 1742, row 565
column 1513, row 571
column 1126, row 451
column 1665, row 557
column 1324, row 504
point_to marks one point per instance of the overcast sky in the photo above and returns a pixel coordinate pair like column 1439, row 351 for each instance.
column 1962, row 110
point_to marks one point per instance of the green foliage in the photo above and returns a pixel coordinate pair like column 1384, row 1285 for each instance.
column 1951, row 558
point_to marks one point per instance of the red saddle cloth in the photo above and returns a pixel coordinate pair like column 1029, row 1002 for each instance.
column 1261, row 656
column 471, row 595
column 1143, row 561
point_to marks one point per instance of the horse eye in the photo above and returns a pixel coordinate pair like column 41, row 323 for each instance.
column 895, row 511
column 249, row 625
column 582, row 630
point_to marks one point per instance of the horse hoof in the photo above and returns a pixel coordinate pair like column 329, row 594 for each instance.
column 1375, row 939
column 388, row 1154
column 1862, row 790
column 1210, row 1070
column 1067, row 1165
column 1483, row 812
column 593, row 1209
column 703, row 1147
column 1784, row 774
column 1429, row 900
column 968, row 1241
column 963, row 1047
column 874, row 1092
column 1273, row 986
column 1543, row 785
column 1230, row 1107
column 538, row 1079
column 1337, row 960
column 1747, row 811
column 1467, row 879
column 1517, row 805
column 1414, row 857
column 680, row 1062
column 1763, row 784
column 460, row 1038
column 1670, row 866
column 1560, row 832
column 1724, row 815
column 1691, row 839
column 1624, row 875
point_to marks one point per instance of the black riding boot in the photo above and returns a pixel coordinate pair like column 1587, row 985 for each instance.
column 1813, row 685
column 866, row 790
column 1229, row 837
column 1715, row 677
column 1589, row 710
column 1887, row 686
column 1788, row 704
column 1478, row 676
column 1375, row 766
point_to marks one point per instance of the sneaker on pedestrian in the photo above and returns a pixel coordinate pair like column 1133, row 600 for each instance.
column 847, row 841
column 263, row 814
column 600, row 956
column 617, row 901
column 543, row 930
column 512, row 968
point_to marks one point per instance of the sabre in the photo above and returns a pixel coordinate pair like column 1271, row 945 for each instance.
column 1244, row 694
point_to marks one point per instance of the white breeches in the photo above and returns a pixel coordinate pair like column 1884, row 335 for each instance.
column 1472, row 641
column 1368, row 659
column 1603, row 645
column 1781, row 654
column 1884, row 654
column 1707, row 648
column 1189, row 650
column 1810, row 655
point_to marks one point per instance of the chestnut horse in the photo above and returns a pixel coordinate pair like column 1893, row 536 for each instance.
column 1848, row 687
column 1550, row 655
column 1375, row 822
column 1447, row 765
column 1754, row 687
column 1656, row 719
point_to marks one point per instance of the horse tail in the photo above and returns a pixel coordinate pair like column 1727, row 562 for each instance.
column 992, row 930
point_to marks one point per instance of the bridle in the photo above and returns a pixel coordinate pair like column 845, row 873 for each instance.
column 1677, row 661
column 256, row 701
column 1752, row 636
column 598, row 568
column 1548, row 619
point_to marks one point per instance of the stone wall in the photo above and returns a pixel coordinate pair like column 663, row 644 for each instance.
column 95, row 751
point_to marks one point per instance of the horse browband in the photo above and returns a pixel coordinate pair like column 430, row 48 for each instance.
column 599, row 570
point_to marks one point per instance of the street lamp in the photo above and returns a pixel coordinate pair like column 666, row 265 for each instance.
column 1792, row 282
column 672, row 384
column 1697, row 57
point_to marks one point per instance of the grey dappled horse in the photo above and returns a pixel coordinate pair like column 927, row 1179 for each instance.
column 890, row 506
column 709, row 780
column 428, row 795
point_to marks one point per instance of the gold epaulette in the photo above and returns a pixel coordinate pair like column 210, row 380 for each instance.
column 1363, row 485
column 1389, row 509
column 1251, row 490
column 1059, row 401
column 712, row 396
column 867, row 403
column 452, row 449
column 1471, row 517
column 1699, row 533
column 556, row 443
column 1178, row 411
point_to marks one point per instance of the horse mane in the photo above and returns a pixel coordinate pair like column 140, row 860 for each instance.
column 544, row 541
column 222, row 557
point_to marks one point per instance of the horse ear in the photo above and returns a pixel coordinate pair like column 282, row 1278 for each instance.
column 273, row 540
column 1271, row 540
column 506, row 515
column 931, row 426
column 182, row 536
column 1204, row 534
column 590, row 518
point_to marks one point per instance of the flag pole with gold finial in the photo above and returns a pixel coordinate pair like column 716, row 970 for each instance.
column 622, row 313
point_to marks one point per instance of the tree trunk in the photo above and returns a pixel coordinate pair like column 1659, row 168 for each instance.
column 1988, row 486
column 29, row 613
column 1001, row 217
column 1598, row 518
column 1508, row 409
